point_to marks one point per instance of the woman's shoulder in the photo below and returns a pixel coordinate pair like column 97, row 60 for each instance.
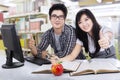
column 78, row 41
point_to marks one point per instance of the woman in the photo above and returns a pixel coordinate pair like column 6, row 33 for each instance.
column 97, row 40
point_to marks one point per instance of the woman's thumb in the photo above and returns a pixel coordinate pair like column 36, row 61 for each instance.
column 101, row 34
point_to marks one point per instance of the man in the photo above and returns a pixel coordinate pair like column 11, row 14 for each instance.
column 60, row 37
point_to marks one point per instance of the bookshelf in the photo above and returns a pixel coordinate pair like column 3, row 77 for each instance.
column 23, row 21
column 23, row 24
column 28, row 16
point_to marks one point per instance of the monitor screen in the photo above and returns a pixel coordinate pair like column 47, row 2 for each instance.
column 13, row 48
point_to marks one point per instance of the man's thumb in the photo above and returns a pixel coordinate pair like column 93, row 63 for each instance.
column 31, row 37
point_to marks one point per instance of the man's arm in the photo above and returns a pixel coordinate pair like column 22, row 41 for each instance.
column 34, row 51
column 31, row 45
column 39, row 51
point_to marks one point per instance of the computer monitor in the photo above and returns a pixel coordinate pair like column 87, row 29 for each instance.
column 13, row 48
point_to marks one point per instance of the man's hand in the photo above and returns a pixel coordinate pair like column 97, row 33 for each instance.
column 54, row 59
column 31, row 43
column 44, row 54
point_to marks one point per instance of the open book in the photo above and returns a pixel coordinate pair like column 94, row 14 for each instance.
column 94, row 67
column 67, row 65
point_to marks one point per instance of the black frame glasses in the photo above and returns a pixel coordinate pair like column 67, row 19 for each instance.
column 60, row 17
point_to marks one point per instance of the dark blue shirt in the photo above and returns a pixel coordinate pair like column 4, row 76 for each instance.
column 67, row 41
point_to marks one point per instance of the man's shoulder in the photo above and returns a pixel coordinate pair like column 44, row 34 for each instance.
column 69, row 27
column 46, row 33
column 69, row 30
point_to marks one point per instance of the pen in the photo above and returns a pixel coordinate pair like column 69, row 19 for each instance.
column 88, row 58
column 49, row 56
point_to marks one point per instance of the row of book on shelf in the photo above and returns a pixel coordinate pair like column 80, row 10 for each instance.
column 23, row 24
column 27, row 6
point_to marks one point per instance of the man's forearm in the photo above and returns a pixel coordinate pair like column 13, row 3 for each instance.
column 34, row 51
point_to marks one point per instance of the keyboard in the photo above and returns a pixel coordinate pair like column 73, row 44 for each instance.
column 38, row 61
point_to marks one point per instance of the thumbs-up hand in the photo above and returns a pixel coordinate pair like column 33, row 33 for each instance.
column 104, row 40
column 31, row 43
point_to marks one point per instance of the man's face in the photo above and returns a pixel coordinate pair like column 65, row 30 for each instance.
column 57, row 19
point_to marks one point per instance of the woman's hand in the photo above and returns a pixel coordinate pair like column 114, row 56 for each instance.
column 104, row 41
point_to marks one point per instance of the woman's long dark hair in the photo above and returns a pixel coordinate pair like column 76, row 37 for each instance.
column 83, row 35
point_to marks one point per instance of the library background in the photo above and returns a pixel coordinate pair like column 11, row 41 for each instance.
column 31, row 17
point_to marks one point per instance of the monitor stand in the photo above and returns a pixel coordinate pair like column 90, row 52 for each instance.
column 9, row 61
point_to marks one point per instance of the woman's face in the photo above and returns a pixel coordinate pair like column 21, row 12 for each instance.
column 85, row 23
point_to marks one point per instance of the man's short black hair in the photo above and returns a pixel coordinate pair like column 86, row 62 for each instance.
column 58, row 6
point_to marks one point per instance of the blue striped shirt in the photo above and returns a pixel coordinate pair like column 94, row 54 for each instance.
column 67, row 41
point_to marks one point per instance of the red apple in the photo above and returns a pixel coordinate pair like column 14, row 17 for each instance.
column 57, row 69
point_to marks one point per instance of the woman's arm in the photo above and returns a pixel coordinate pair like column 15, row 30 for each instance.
column 74, row 53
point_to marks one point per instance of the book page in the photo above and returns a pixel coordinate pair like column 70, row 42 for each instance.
column 84, row 68
column 102, row 67
column 44, row 69
column 67, row 65
column 113, row 61
column 95, row 67
column 70, row 66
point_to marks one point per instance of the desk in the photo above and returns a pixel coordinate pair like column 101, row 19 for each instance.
column 24, row 73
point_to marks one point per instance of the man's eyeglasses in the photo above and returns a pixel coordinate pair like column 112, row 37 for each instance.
column 60, row 17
